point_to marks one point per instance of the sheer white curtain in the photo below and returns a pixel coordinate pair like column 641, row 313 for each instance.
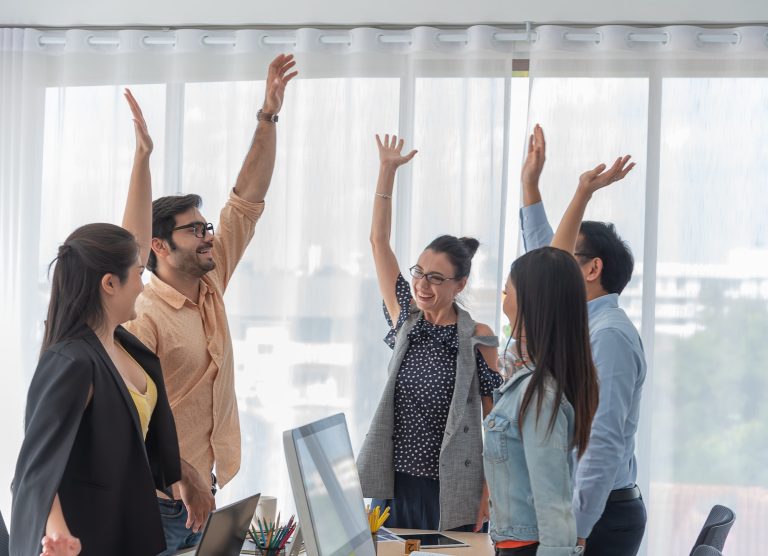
column 304, row 307
column 690, row 105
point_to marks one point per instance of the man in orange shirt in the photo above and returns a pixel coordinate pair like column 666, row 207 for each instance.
column 181, row 317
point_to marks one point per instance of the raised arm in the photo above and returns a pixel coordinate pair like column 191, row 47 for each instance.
column 589, row 182
column 534, row 225
column 387, row 269
column 137, row 217
column 256, row 173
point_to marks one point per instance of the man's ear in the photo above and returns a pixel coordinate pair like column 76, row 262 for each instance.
column 595, row 270
column 159, row 247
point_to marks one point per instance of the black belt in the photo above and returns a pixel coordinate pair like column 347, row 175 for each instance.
column 624, row 494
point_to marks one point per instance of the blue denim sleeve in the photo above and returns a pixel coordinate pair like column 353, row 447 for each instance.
column 547, row 458
column 535, row 227
column 617, row 371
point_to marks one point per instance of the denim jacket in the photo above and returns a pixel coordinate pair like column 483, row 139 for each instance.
column 530, row 477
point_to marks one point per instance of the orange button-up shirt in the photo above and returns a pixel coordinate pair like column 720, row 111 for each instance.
column 193, row 343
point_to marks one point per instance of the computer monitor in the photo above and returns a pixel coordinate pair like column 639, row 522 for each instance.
column 327, row 490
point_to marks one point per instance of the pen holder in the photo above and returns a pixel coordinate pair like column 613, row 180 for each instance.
column 375, row 538
column 270, row 551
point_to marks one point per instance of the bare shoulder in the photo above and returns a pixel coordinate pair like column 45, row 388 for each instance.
column 483, row 330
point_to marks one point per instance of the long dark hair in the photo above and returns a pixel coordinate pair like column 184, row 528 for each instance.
column 85, row 257
column 552, row 310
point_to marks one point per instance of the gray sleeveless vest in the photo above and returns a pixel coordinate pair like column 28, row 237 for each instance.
column 461, row 453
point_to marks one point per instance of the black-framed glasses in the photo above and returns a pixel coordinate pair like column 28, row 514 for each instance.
column 199, row 228
column 586, row 255
column 431, row 277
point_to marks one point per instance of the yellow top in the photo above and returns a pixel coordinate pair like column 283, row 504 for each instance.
column 145, row 403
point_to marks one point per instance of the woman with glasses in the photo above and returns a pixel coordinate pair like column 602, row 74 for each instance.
column 422, row 456
column 99, row 432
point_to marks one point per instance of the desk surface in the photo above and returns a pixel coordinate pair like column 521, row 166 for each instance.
column 479, row 544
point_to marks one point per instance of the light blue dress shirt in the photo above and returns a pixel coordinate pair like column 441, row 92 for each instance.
column 609, row 462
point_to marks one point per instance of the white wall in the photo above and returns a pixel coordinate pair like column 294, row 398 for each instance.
column 71, row 13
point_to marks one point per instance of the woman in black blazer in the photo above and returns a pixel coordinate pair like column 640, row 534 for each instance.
column 99, row 433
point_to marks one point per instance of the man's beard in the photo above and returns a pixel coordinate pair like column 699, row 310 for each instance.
column 191, row 264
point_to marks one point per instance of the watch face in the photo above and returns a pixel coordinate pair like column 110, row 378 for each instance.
column 266, row 117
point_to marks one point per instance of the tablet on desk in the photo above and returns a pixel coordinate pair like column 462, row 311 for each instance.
column 433, row 540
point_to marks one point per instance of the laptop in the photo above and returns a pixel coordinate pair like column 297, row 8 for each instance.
column 225, row 530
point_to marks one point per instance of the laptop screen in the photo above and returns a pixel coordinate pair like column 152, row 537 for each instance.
column 226, row 529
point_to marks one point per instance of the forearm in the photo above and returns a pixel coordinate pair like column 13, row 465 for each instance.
column 531, row 193
column 137, row 217
column 56, row 522
column 381, row 223
column 188, row 473
column 256, row 173
column 568, row 231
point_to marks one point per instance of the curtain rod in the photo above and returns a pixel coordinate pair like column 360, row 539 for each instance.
column 384, row 27
column 340, row 37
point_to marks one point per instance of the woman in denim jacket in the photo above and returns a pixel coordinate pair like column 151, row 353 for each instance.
column 543, row 410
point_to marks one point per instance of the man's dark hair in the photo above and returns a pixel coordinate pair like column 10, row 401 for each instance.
column 600, row 240
column 164, row 211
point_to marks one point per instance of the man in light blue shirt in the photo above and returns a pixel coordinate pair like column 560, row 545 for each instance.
column 607, row 504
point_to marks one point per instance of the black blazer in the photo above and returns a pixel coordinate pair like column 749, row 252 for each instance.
column 94, row 457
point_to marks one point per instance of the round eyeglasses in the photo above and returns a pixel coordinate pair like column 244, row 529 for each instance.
column 433, row 278
column 199, row 228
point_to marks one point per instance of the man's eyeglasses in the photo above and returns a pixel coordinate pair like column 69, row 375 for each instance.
column 431, row 277
column 199, row 228
column 585, row 255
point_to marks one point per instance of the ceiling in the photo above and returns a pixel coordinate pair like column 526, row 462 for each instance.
column 295, row 13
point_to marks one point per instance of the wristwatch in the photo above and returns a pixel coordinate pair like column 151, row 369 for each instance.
column 266, row 117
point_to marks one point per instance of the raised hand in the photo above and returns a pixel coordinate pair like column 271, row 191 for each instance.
column 599, row 177
column 60, row 544
column 277, row 78
column 568, row 231
column 144, row 143
column 534, row 162
column 390, row 151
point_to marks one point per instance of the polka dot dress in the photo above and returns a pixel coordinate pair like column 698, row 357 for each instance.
column 424, row 388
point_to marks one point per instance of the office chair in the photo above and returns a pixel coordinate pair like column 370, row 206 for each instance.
column 3, row 537
column 716, row 528
column 704, row 550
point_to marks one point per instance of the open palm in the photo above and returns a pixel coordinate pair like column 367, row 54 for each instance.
column 143, row 140
column 390, row 151
column 534, row 162
column 277, row 78
column 599, row 177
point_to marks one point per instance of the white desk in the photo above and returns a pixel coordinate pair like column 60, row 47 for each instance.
column 479, row 544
